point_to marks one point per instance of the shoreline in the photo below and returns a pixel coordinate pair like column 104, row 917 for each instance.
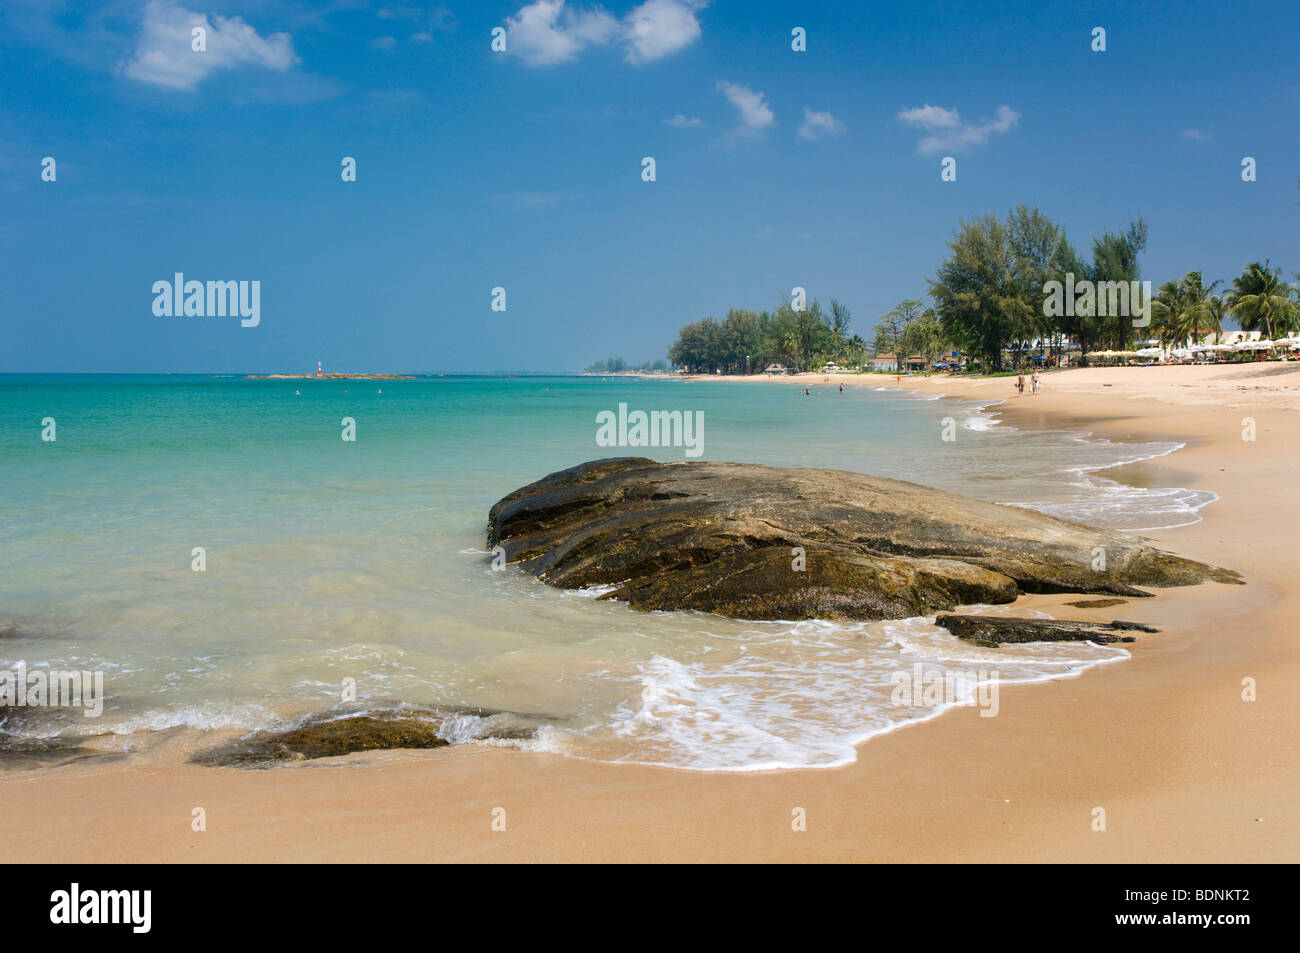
column 1164, row 743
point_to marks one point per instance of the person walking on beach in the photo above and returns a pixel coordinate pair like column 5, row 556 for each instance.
column 1035, row 382
column 1020, row 384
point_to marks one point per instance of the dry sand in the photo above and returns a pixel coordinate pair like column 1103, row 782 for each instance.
column 1185, row 769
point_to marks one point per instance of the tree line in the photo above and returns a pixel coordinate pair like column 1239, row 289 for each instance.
column 751, row 340
column 615, row 365
column 990, row 300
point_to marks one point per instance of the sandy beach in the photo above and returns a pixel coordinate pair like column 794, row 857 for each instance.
column 1184, row 768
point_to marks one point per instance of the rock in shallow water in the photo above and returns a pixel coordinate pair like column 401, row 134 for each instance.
column 998, row 630
column 17, row 750
column 331, row 735
column 730, row 538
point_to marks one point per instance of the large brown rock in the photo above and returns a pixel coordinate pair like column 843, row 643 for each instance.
column 722, row 537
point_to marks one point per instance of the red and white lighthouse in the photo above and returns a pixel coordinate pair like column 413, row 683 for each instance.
column 319, row 372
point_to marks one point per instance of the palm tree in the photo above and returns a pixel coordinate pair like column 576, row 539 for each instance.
column 1218, row 305
column 1260, row 301
column 840, row 318
column 1167, row 311
column 1185, row 310
column 792, row 345
column 1202, row 315
column 856, row 350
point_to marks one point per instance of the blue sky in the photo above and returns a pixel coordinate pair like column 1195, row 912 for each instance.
column 522, row 169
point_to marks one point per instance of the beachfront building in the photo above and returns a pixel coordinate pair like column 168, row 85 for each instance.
column 1231, row 337
column 916, row 362
column 884, row 362
column 776, row 369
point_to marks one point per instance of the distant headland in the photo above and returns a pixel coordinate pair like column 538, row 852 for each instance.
column 329, row 377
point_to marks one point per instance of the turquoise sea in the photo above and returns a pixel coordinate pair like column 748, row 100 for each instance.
column 329, row 560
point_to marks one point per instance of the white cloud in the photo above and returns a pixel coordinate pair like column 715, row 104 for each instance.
column 163, row 55
column 755, row 114
column 659, row 27
column 816, row 125
column 547, row 32
column 422, row 37
column 931, row 117
column 683, row 122
column 951, row 133
column 384, row 42
column 1196, row 135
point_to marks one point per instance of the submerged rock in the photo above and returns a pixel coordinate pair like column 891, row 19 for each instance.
column 17, row 750
column 756, row 542
column 46, row 752
column 331, row 735
column 997, row 630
